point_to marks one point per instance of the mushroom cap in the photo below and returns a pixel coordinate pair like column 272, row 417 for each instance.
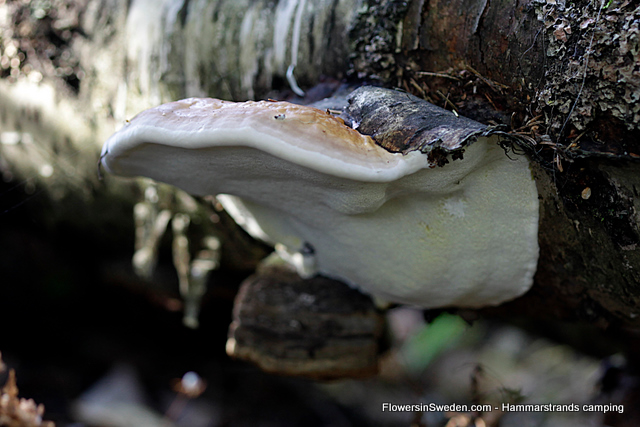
column 304, row 135
column 460, row 235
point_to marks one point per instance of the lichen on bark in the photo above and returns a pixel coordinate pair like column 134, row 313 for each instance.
column 592, row 71
column 375, row 38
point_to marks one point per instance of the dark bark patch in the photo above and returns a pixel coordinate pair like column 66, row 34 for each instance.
column 401, row 122
column 605, row 203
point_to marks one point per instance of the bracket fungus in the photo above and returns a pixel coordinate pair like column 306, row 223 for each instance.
column 388, row 220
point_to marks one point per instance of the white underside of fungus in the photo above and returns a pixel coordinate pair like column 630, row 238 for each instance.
column 460, row 235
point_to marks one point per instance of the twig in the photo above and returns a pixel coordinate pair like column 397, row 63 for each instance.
column 417, row 86
column 432, row 74
column 489, row 82
column 446, row 101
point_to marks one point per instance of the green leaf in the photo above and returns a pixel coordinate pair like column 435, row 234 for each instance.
column 419, row 350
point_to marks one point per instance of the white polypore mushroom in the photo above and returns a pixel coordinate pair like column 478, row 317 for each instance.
column 389, row 223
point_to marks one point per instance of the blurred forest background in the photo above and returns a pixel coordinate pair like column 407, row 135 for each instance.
column 99, row 345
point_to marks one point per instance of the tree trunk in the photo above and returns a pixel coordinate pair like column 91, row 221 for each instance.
column 565, row 75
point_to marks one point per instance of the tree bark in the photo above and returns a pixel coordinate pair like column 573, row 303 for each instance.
column 565, row 75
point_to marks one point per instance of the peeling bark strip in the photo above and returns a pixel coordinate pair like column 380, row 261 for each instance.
column 401, row 122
